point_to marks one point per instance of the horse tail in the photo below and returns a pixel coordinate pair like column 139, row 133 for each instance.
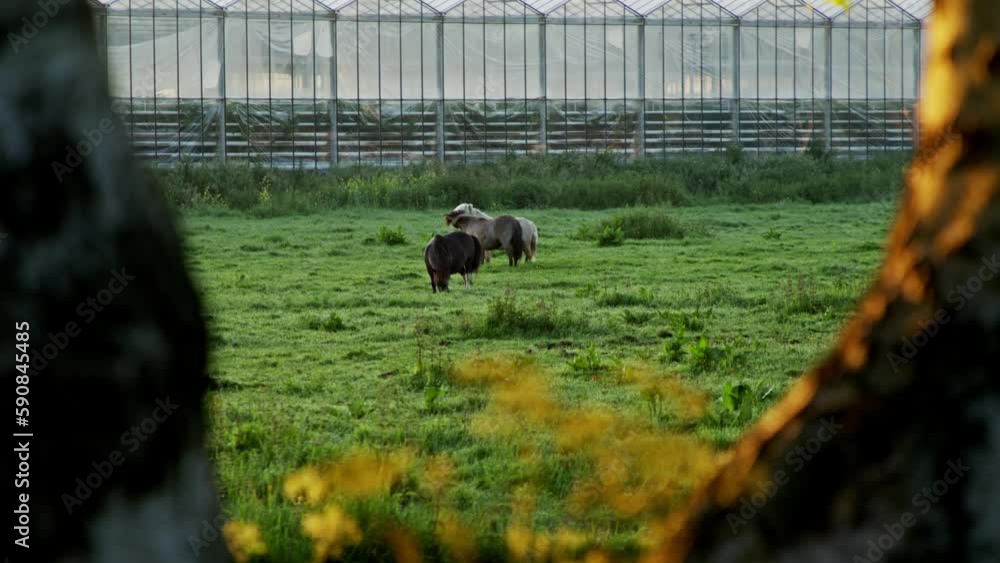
column 480, row 254
column 517, row 243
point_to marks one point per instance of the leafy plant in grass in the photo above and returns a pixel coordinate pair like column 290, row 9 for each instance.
column 430, row 374
column 655, row 405
column 636, row 316
column 588, row 290
column 587, row 362
column 390, row 237
column 264, row 195
column 806, row 294
column 739, row 404
column 617, row 298
column 704, row 357
column 330, row 323
column 772, row 234
column 505, row 316
column 684, row 321
column 675, row 346
column 611, row 236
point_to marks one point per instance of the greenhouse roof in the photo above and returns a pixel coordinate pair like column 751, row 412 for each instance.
column 917, row 9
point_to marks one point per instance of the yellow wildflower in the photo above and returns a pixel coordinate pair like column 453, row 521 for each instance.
column 244, row 540
column 405, row 548
column 306, row 485
column 439, row 473
column 331, row 532
column 364, row 473
column 457, row 540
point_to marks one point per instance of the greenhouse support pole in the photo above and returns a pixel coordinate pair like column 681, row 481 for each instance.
column 828, row 86
column 917, row 60
column 736, row 84
column 221, row 47
column 334, row 96
column 543, row 81
column 102, row 36
column 641, row 126
column 440, row 85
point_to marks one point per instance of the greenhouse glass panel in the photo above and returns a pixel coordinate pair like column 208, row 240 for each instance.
column 318, row 83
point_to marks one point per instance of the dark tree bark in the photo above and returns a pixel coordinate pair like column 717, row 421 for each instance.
column 889, row 449
column 93, row 264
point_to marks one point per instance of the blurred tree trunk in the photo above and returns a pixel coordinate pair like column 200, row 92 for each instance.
column 888, row 450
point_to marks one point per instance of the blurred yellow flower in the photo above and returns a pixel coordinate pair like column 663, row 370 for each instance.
column 567, row 544
column 306, row 485
column 520, row 543
column 438, row 476
column 331, row 531
column 244, row 540
column 405, row 548
column 458, row 541
column 365, row 473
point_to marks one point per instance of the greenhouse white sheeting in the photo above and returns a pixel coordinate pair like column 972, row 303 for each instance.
column 418, row 79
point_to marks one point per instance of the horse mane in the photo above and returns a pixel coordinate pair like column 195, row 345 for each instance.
column 469, row 209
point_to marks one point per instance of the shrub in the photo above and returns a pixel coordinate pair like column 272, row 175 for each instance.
column 649, row 224
column 577, row 181
column 390, row 237
column 506, row 317
column 611, row 236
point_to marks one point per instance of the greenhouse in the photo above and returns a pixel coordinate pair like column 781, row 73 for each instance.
column 320, row 83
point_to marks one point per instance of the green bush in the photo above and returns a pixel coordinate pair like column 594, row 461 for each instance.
column 611, row 236
column 577, row 181
column 652, row 223
column 505, row 316
column 390, row 237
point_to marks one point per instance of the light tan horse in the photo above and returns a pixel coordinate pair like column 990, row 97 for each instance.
column 529, row 232
column 502, row 232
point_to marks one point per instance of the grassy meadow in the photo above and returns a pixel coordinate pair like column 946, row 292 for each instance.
column 329, row 345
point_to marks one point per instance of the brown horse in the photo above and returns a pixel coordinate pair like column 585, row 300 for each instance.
column 453, row 253
column 502, row 232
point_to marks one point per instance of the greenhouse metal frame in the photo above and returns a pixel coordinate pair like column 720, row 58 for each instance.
column 320, row 83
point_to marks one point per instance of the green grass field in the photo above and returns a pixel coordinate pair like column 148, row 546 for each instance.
column 318, row 328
